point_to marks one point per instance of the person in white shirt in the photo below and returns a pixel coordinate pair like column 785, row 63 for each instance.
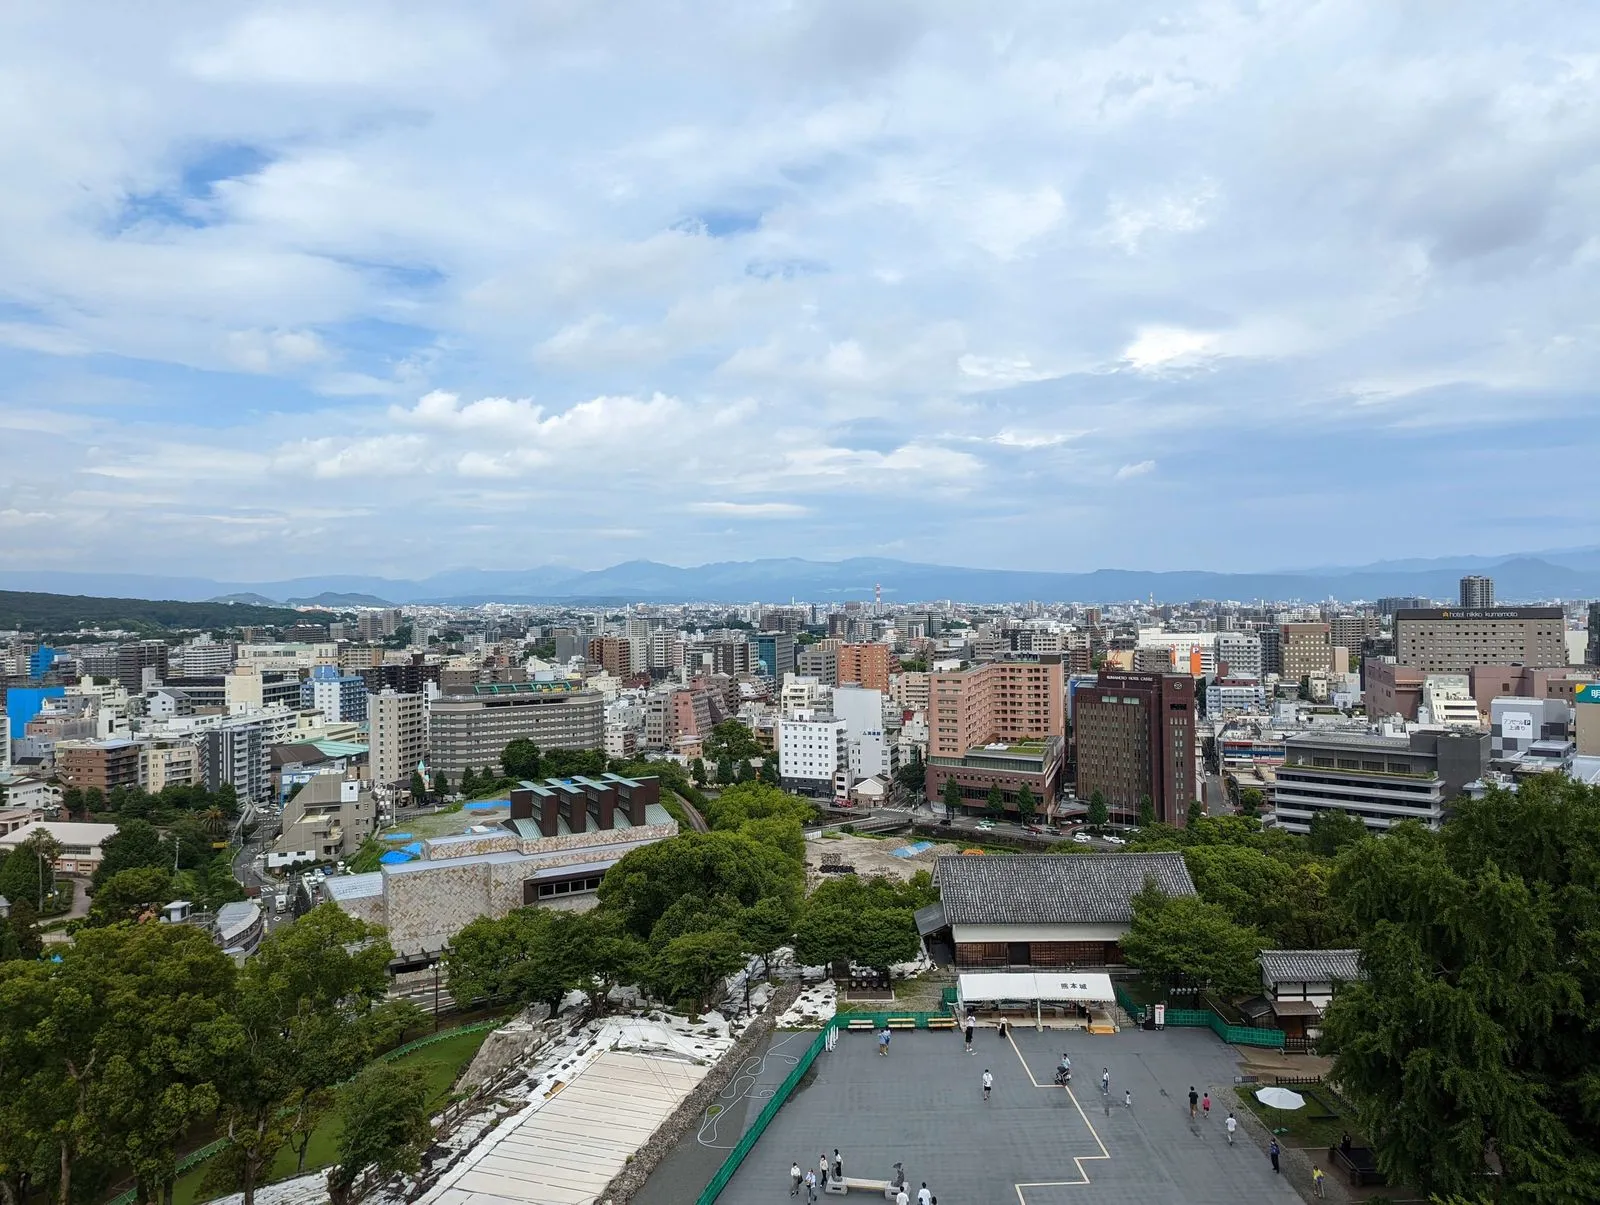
column 988, row 1082
column 1233, row 1124
column 795, row 1177
column 923, row 1195
column 900, row 1197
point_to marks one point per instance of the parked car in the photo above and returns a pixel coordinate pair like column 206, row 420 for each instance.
column 985, row 825
column 1081, row 838
column 1113, row 839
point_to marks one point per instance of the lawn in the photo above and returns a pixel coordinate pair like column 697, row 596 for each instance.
column 1316, row 1127
column 438, row 1064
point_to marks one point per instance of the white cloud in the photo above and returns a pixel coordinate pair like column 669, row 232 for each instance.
column 1158, row 349
column 1140, row 469
column 750, row 510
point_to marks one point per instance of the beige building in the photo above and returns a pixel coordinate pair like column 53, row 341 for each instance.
column 328, row 818
column 473, row 728
column 398, row 731
column 909, row 689
column 1014, row 700
column 1454, row 639
column 165, row 764
column 1307, row 650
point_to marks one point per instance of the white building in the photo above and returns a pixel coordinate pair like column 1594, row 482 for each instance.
column 813, row 752
column 803, row 693
column 1183, row 647
column 1447, row 700
column 1238, row 654
column 201, row 657
column 1235, row 696
column 80, row 843
column 398, row 730
column 862, row 711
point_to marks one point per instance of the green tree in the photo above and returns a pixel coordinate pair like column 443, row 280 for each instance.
column 383, row 1124
column 691, row 967
column 868, row 921
column 1251, row 801
column 1099, row 813
column 605, row 953
column 418, row 787
column 136, row 843
column 912, row 777
column 995, row 803
column 368, row 856
column 469, row 782
column 130, row 896
column 565, row 763
column 952, row 796
column 1026, row 807
column 747, row 801
column 724, row 770
column 19, row 935
column 441, row 785
column 29, row 871
column 697, row 769
column 731, row 741
column 530, row 954
column 1474, row 1027
column 766, row 925
column 1332, row 830
column 769, row 770
column 1182, row 940
column 520, row 760
column 646, row 881
column 1147, row 811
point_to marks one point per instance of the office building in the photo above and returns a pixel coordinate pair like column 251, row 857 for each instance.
column 1477, row 593
column 619, row 656
column 1447, row 701
column 340, row 697
column 867, row 752
column 1135, row 737
column 398, row 731
column 1516, row 724
column 1586, row 719
column 775, row 653
column 101, row 765
column 1271, row 650
column 813, row 754
column 250, row 688
column 1231, row 696
column 470, row 730
column 239, row 754
column 1351, row 629
column 820, row 661
column 1307, row 649
column 1381, row 780
column 1010, row 765
column 1389, row 689
column 135, row 659
column 865, row 665
column 1452, row 640
column 327, row 819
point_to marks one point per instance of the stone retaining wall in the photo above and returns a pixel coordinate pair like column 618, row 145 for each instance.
column 689, row 1113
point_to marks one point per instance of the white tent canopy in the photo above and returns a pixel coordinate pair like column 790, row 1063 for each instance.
column 1071, row 987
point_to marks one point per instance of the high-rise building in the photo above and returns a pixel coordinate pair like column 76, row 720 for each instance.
column 472, row 729
column 135, row 658
column 614, row 654
column 398, row 726
column 1239, row 655
column 1307, row 649
column 813, row 753
column 819, row 661
column 1271, row 650
column 103, row 765
column 1455, row 639
column 1592, row 651
column 239, row 754
column 340, row 697
column 1477, row 593
column 1135, row 736
column 865, row 665
column 1350, row 629
column 775, row 654
column 1013, row 700
column 1388, row 605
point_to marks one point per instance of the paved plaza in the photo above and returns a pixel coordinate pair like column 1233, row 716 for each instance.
column 1032, row 1143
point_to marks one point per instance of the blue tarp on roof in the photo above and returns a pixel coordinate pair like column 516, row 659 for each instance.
column 414, row 848
column 394, row 857
column 395, row 837
column 488, row 805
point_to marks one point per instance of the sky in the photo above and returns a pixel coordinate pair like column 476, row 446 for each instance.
column 394, row 288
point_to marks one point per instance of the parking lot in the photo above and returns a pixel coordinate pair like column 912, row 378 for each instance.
column 1032, row 1143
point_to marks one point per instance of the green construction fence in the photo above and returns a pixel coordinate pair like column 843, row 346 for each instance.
column 1196, row 1018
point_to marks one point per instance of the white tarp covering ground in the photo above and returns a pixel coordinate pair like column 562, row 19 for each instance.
column 1064, row 987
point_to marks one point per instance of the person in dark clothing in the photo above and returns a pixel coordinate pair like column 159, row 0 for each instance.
column 1272, row 1153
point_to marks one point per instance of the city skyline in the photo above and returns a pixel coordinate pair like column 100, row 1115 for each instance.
column 1066, row 289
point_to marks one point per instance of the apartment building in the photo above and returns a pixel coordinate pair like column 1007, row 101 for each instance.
column 1135, row 737
column 1454, row 639
column 1238, row 655
column 910, row 690
column 1013, row 700
column 865, row 665
column 813, row 753
column 1382, row 780
column 398, row 735
column 328, row 818
column 1476, row 593
column 340, row 697
column 470, row 730
column 251, row 687
column 1350, row 629
column 101, row 765
column 239, row 754
column 164, row 763
column 619, row 656
column 820, row 661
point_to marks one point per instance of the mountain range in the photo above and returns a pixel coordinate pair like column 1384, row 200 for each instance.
column 1520, row 577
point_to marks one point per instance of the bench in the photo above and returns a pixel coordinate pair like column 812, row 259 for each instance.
column 861, row 1023
column 901, row 1022
column 941, row 1022
column 842, row 1187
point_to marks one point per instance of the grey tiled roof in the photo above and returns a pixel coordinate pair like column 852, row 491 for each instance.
column 1053, row 889
column 1311, row 966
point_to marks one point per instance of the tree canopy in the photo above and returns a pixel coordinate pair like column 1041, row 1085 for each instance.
column 1474, row 1037
column 731, row 741
column 867, row 921
column 1183, row 940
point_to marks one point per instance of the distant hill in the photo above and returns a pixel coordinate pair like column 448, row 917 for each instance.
column 330, row 598
column 249, row 599
column 50, row 613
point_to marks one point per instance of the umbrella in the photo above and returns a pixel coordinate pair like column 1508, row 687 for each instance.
column 1280, row 1098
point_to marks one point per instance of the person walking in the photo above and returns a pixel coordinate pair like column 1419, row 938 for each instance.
column 822, row 1172
column 795, row 1177
column 988, row 1083
column 883, row 1041
column 1105, row 1080
column 969, row 1035
column 1233, row 1124
column 811, row 1187
column 1194, row 1100
column 900, row 1197
column 1127, row 1098
column 1205, row 1104
column 924, row 1197
column 1317, row 1177
column 1272, row 1153
column 838, row 1165
column 1002, row 1029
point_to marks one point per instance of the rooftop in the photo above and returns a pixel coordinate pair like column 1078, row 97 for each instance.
column 1311, row 966
column 68, row 833
column 1045, row 889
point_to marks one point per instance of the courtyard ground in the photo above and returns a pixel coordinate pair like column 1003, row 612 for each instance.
column 1032, row 1143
